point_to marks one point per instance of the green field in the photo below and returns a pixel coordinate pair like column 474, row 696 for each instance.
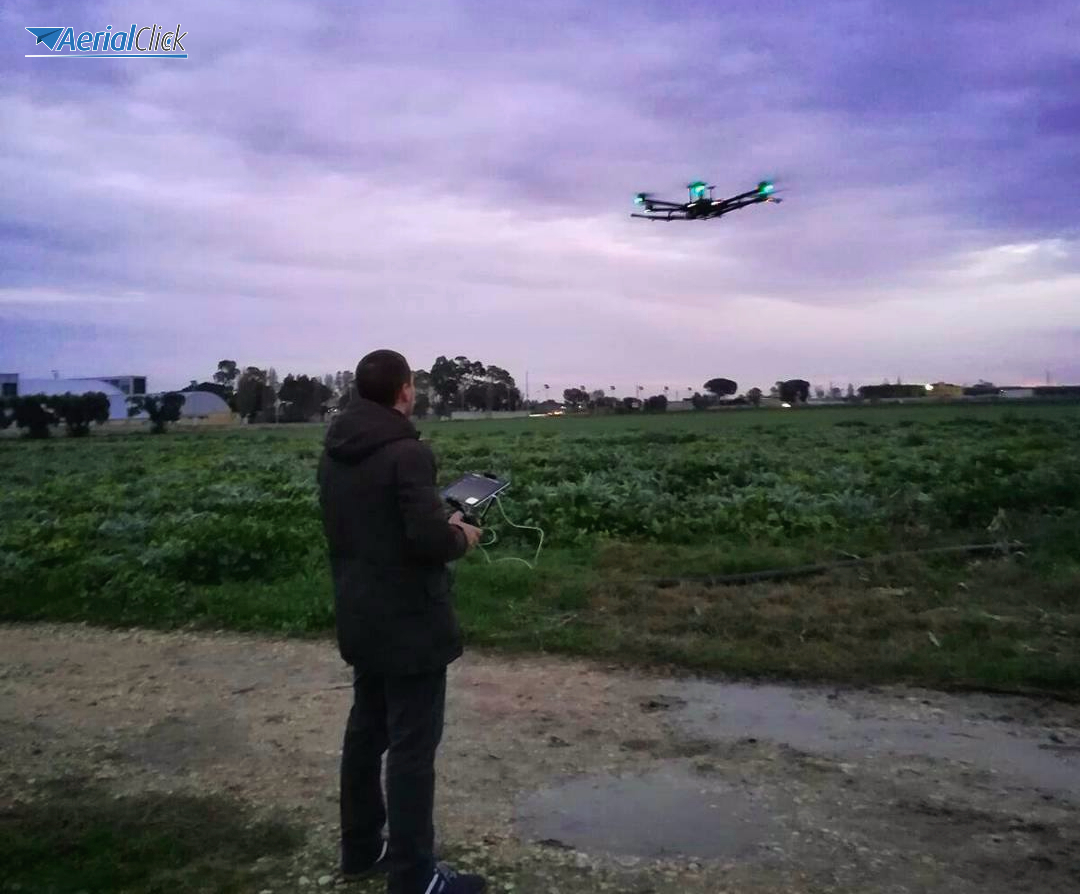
column 221, row 529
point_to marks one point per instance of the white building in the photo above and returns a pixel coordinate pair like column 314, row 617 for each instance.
column 202, row 405
column 24, row 387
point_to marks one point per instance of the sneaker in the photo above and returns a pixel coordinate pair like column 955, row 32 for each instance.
column 359, row 873
column 447, row 881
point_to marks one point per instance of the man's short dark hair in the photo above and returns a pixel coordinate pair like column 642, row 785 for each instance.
column 381, row 375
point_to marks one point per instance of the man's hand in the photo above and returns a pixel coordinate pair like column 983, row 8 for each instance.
column 472, row 533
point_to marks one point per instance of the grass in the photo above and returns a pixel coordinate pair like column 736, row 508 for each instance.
column 78, row 836
column 220, row 529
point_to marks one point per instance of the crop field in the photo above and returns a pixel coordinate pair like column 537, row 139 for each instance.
column 221, row 529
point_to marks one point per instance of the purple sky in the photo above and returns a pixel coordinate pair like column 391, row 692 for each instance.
column 321, row 179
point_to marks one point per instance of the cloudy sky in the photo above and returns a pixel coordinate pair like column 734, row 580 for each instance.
column 321, row 179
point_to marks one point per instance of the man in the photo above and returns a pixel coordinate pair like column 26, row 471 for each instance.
column 390, row 542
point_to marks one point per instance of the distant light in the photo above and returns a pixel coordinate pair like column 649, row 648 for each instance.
column 929, row 387
column 786, row 406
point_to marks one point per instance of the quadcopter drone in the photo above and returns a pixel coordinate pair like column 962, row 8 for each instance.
column 702, row 206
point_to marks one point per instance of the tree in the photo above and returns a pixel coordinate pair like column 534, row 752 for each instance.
column 721, row 387
column 227, row 374
column 251, row 394
column 210, row 387
column 576, row 397
column 836, row 393
column 348, row 378
column 656, row 404
column 470, row 372
column 850, row 391
column 819, row 392
column 304, row 397
column 33, row 412
column 78, row 411
column 699, row 401
column 794, row 391
column 469, row 384
column 630, row 404
column 754, row 395
column 475, row 397
column 328, row 382
column 445, row 380
column 161, row 409
column 272, row 379
column 422, row 381
column 423, row 405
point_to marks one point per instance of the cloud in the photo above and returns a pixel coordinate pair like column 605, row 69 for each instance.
column 456, row 178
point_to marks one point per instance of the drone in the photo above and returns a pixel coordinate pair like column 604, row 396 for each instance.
column 702, row 205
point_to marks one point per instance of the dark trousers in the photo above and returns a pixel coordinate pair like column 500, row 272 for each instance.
column 402, row 716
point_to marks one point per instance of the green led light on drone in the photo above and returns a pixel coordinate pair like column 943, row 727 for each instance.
column 766, row 187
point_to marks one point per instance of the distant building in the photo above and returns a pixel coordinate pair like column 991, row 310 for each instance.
column 129, row 385
column 24, row 387
column 202, row 405
column 944, row 390
column 198, row 405
column 1057, row 391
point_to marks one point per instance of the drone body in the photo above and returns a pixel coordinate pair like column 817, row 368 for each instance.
column 702, row 206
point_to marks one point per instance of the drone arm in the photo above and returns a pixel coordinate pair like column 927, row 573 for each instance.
column 746, row 198
column 663, row 215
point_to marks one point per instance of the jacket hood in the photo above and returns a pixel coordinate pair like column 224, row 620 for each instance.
column 363, row 428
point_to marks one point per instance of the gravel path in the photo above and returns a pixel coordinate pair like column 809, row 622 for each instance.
column 567, row 776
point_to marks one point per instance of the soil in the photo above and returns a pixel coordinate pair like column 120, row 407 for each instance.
column 569, row 776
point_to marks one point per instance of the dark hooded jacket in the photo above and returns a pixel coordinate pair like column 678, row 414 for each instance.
column 389, row 542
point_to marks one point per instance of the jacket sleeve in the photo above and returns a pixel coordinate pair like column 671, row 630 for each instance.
column 429, row 536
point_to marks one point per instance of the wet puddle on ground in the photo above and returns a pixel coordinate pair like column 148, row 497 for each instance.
column 670, row 811
column 861, row 725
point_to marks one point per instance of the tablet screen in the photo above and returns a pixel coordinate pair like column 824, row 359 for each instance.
column 473, row 490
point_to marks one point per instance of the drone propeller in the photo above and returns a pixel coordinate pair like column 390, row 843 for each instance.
column 642, row 197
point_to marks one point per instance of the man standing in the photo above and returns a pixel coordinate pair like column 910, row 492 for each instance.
column 390, row 542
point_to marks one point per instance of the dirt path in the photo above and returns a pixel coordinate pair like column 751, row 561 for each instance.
column 574, row 777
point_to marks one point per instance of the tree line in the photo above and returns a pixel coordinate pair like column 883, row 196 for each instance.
column 458, row 383
column 450, row 384
column 38, row 414
column 716, row 391
column 258, row 395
